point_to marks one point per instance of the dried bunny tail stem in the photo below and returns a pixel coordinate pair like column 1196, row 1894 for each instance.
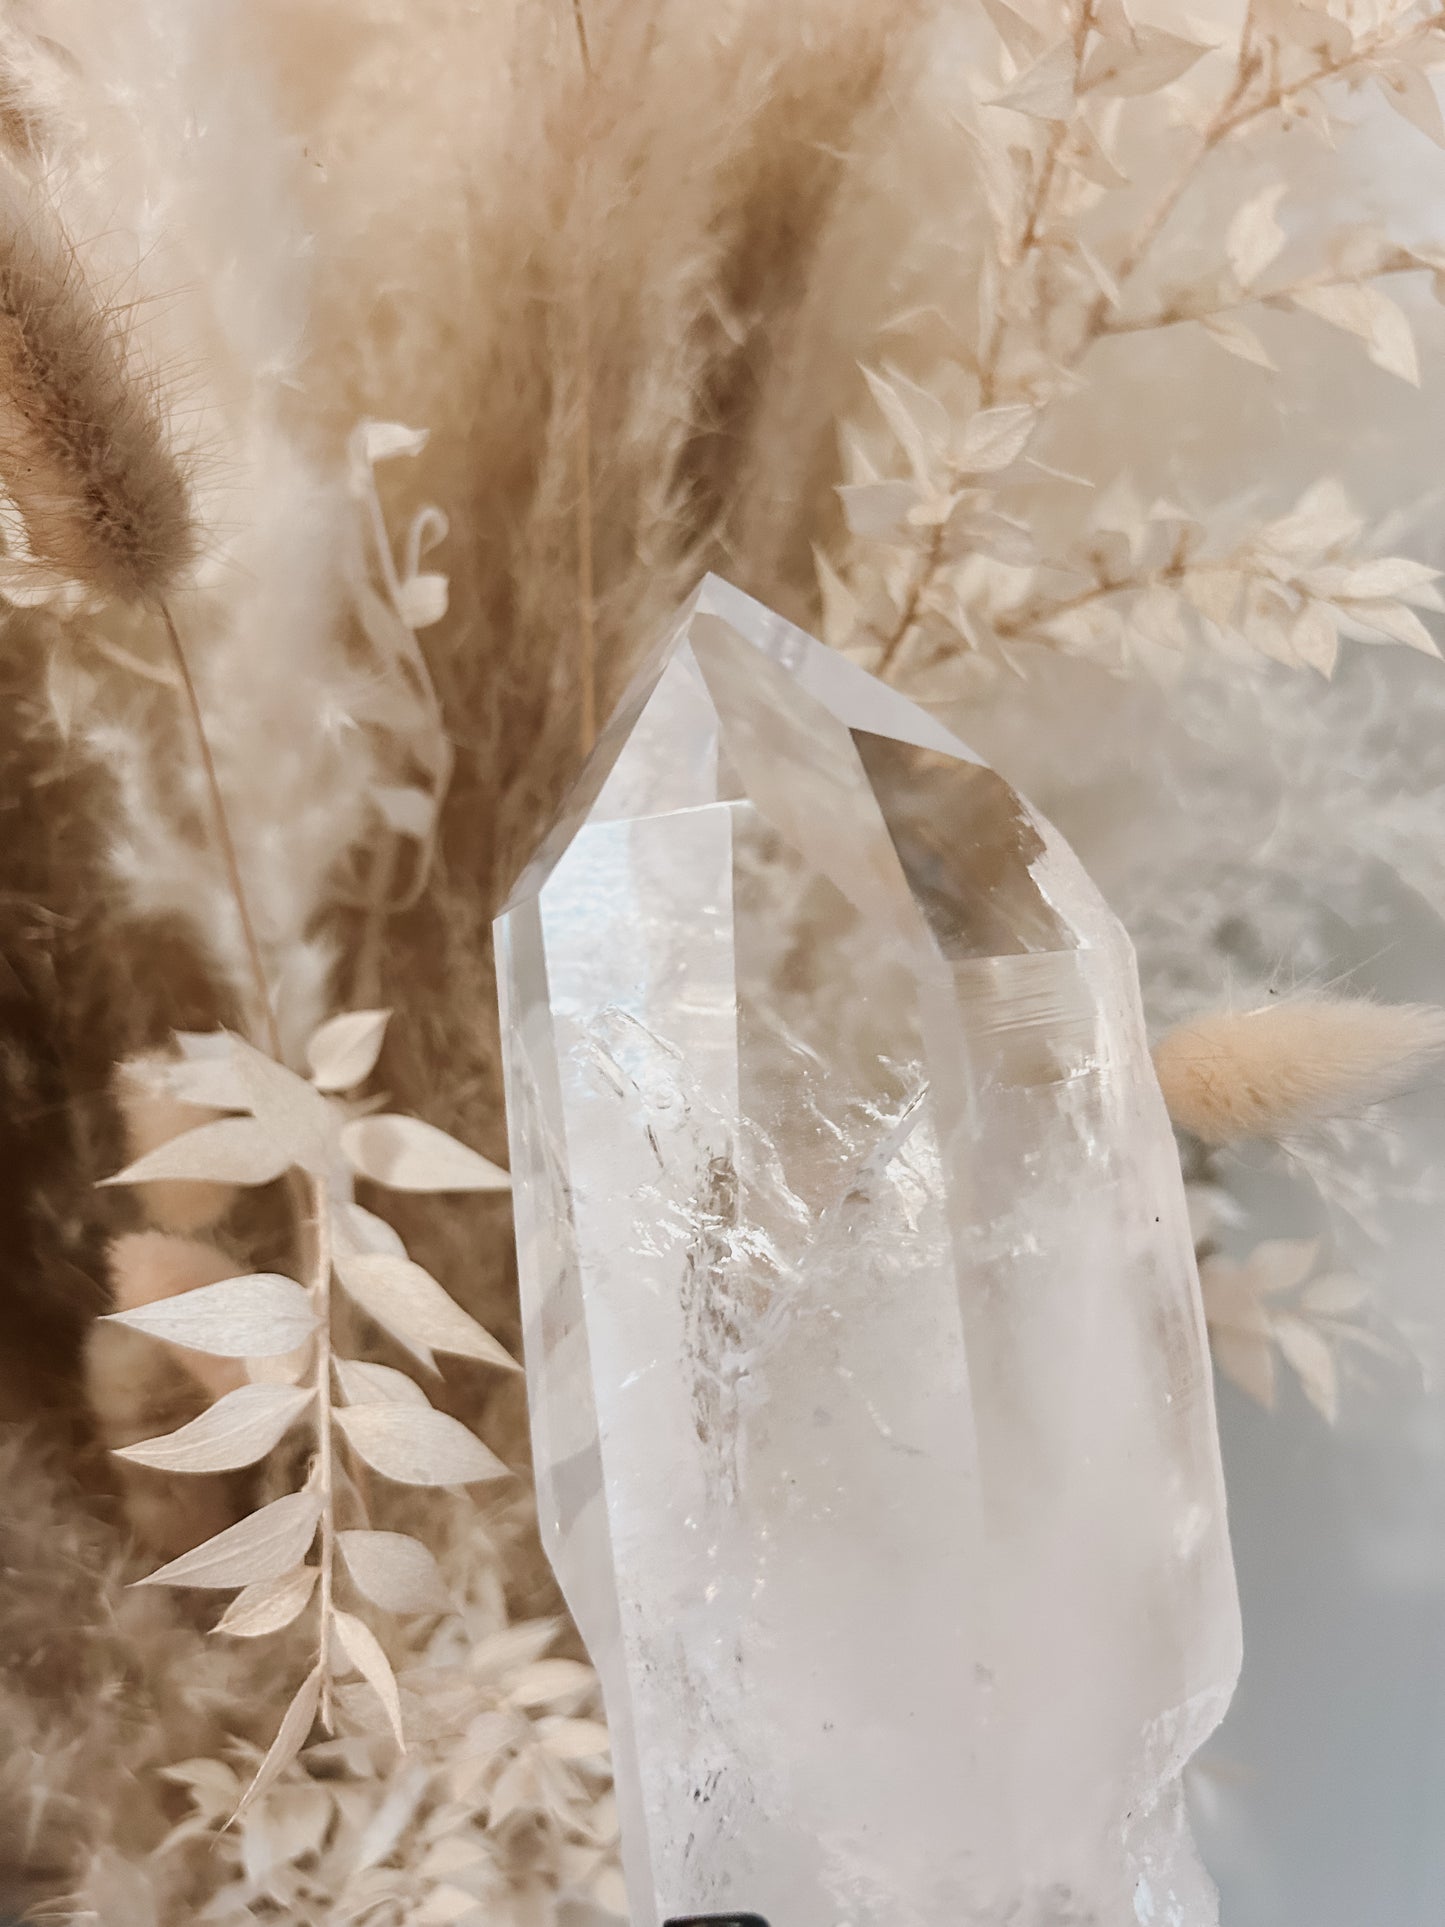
column 84, row 454
column 1267, row 1073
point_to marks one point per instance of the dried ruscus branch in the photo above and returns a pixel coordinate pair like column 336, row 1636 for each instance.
column 99, row 503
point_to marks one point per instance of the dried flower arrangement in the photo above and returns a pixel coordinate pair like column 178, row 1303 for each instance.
column 888, row 311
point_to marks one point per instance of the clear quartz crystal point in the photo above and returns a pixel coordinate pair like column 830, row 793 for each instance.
column 871, row 1404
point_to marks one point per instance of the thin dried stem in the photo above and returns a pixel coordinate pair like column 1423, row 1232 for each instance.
column 1036, row 213
column 1399, row 261
column 325, row 1470
column 225, row 843
column 913, row 603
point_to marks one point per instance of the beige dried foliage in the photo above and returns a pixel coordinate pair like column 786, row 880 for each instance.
column 970, row 203
column 1272, row 1072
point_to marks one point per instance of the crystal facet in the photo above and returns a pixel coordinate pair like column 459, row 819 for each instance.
column 872, row 1417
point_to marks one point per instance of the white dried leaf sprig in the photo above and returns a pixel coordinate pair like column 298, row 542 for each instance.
column 1275, row 1304
column 953, row 555
column 278, row 1122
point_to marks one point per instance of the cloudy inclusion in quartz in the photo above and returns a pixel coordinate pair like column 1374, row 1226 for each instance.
column 871, row 1407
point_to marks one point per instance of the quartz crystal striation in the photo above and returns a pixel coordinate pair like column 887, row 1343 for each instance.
column 874, row 1434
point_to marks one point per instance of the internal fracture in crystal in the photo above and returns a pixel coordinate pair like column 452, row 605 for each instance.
column 873, row 1426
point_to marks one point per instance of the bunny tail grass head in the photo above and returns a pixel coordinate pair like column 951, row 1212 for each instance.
column 1268, row 1073
column 84, row 458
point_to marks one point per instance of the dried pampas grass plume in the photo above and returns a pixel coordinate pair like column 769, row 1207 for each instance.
column 84, row 455
column 1267, row 1073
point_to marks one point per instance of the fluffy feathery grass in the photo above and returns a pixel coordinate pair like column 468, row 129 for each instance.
column 84, row 455
column 1269, row 1073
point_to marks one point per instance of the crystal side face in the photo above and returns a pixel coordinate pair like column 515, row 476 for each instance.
column 873, row 1424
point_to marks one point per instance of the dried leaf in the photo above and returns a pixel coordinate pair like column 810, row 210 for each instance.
column 363, row 1649
column 1279, row 1264
column 422, row 600
column 878, row 511
column 1020, row 36
column 342, row 1053
column 1314, row 1363
column 1335, row 1295
column 1044, row 90
column 918, row 419
column 394, row 1572
column 211, row 1082
column 1384, row 575
column 417, row 1447
column 1365, row 310
column 550, row 1682
column 1214, row 593
column 995, row 437
column 1151, row 60
column 445, row 1906
column 260, row 1316
column 291, row 1112
column 408, row 1302
column 407, row 1155
column 572, row 1739
column 1323, row 518
column 1316, row 638
column 1396, row 621
column 1255, row 237
column 264, row 1546
column 289, row 1740
column 365, row 1383
column 1247, row 1359
column 238, row 1429
column 231, row 1150
column 269, row 1605
column 357, row 1229
column 501, row 1654
column 1413, row 97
